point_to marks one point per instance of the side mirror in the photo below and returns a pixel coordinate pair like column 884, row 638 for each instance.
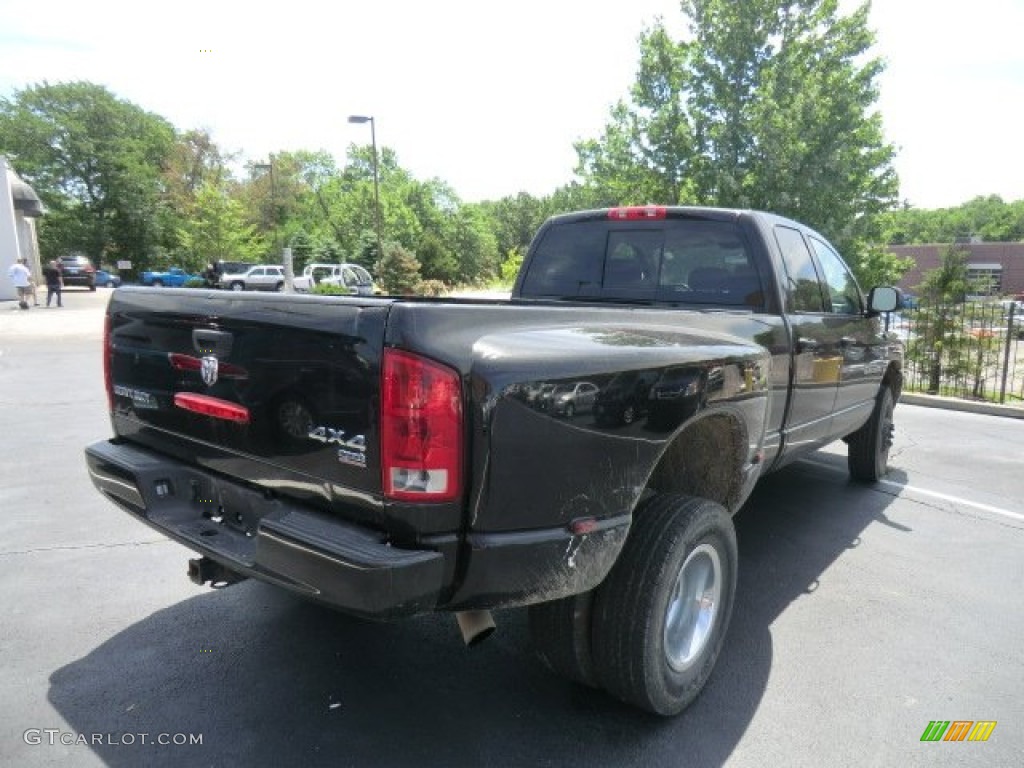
column 883, row 298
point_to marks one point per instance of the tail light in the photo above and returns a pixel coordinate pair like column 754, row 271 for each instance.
column 638, row 212
column 108, row 353
column 421, row 429
column 214, row 407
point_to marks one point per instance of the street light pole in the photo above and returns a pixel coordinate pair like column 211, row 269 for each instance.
column 273, row 194
column 359, row 119
column 286, row 253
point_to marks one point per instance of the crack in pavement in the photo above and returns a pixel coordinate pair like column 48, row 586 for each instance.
column 73, row 547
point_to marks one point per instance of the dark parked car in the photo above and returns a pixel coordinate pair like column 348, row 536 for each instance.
column 78, row 270
column 624, row 399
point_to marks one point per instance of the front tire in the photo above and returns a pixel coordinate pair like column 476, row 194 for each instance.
column 661, row 615
column 237, row 286
column 868, row 447
column 158, row 283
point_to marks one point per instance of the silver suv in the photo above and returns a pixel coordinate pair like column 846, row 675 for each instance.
column 265, row 277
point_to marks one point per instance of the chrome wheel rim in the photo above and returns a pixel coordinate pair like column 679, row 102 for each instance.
column 693, row 607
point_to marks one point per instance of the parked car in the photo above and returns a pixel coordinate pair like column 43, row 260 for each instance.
column 175, row 277
column 234, row 267
column 351, row 276
column 78, row 270
column 106, row 280
column 677, row 395
column 624, row 399
column 569, row 399
column 264, row 277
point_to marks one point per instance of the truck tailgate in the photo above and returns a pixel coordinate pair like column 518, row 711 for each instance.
column 279, row 390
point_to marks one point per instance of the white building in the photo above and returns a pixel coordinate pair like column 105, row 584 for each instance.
column 19, row 208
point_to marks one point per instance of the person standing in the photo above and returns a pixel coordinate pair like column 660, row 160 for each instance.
column 54, row 282
column 22, row 279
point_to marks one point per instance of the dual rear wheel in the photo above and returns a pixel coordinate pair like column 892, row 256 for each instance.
column 651, row 632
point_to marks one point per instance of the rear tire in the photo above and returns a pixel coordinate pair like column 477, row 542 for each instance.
column 868, row 448
column 660, row 617
column 628, row 414
column 560, row 634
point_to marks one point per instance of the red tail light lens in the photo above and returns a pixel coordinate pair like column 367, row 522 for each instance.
column 638, row 212
column 212, row 406
column 108, row 375
column 421, row 429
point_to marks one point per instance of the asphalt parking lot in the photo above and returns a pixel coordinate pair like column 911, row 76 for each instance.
column 863, row 614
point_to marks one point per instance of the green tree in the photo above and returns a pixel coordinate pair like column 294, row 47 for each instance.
column 767, row 104
column 515, row 220
column 96, row 161
column 989, row 218
column 217, row 231
column 940, row 337
column 399, row 271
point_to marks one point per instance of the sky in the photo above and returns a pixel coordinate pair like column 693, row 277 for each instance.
column 490, row 96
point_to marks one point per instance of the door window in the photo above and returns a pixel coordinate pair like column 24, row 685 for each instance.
column 843, row 293
column 803, row 286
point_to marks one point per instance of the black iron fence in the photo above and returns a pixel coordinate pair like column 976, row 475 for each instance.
column 972, row 349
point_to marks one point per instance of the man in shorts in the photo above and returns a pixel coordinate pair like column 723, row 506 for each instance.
column 22, row 279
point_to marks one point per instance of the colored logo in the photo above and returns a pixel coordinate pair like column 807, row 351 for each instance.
column 958, row 730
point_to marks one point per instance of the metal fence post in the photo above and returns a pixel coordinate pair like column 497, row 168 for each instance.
column 1006, row 352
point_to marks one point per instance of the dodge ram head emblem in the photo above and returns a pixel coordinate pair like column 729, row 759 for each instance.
column 209, row 370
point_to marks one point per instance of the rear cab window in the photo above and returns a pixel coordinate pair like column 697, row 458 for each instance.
column 675, row 260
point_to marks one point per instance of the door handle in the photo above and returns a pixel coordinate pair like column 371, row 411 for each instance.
column 807, row 345
column 210, row 342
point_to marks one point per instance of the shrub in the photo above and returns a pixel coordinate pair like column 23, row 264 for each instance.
column 432, row 288
column 326, row 289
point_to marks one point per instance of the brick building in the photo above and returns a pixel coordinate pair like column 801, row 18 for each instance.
column 1000, row 264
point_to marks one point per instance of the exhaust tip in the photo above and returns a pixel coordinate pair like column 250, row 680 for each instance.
column 475, row 626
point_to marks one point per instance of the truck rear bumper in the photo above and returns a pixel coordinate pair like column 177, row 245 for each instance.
column 348, row 567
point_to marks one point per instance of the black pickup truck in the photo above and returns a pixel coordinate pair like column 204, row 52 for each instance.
column 578, row 449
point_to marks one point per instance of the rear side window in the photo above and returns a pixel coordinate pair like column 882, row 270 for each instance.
column 680, row 260
column 568, row 262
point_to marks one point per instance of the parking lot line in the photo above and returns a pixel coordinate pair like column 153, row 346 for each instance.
column 933, row 494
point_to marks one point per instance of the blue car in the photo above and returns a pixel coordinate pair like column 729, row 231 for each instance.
column 106, row 280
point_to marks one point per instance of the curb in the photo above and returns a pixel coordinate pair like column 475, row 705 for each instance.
column 968, row 406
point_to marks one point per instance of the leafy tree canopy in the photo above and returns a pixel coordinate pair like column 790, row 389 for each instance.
column 767, row 104
column 989, row 218
column 96, row 161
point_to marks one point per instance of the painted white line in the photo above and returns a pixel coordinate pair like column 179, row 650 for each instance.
column 934, row 494
column 955, row 500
